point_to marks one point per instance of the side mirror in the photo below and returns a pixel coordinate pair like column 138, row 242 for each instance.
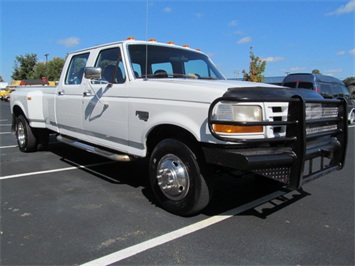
column 92, row 72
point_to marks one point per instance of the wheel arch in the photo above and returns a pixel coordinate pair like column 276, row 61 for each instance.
column 166, row 131
column 16, row 112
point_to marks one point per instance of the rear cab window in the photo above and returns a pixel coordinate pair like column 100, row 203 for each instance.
column 76, row 69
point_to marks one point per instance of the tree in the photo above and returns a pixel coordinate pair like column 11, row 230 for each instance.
column 256, row 68
column 50, row 70
column 39, row 71
column 1, row 79
column 350, row 84
column 315, row 71
column 54, row 68
column 24, row 66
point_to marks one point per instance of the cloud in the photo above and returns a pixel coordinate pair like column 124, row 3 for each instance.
column 244, row 40
column 341, row 53
column 273, row 59
column 333, row 71
column 238, row 32
column 168, row 9
column 348, row 8
column 199, row 15
column 233, row 23
column 352, row 51
column 294, row 69
column 70, row 42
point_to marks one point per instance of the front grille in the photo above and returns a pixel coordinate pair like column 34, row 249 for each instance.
column 276, row 112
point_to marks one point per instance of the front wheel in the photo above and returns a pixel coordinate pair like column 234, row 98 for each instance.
column 176, row 178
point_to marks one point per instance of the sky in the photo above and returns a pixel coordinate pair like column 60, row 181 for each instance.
column 291, row 35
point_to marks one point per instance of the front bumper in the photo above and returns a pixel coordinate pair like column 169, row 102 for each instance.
column 307, row 151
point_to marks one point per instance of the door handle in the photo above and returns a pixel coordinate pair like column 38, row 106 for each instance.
column 87, row 93
column 61, row 92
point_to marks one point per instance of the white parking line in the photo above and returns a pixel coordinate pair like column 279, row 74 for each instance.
column 78, row 166
column 154, row 242
column 3, row 133
column 5, row 125
column 7, row 147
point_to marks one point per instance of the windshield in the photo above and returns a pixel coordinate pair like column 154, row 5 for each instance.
column 170, row 62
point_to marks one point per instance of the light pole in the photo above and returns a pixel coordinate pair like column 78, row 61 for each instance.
column 46, row 55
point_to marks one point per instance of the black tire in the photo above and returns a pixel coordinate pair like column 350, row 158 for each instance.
column 26, row 139
column 177, row 180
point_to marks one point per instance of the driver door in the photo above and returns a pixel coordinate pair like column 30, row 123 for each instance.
column 105, row 107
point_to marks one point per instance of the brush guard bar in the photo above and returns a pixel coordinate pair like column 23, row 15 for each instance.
column 313, row 146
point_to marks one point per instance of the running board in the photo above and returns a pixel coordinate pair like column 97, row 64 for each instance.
column 98, row 151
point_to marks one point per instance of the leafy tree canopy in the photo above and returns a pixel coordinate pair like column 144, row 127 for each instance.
column 24, row 66
column 51, row 70
column 316, row 71
column 27, row 67
column 256, row 68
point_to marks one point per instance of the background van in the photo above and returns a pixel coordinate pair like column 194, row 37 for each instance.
column 327, row 86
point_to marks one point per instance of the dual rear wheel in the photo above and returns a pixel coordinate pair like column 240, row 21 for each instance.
column 28, row 138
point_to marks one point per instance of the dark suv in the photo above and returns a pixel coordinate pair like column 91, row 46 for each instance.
column 327, row 86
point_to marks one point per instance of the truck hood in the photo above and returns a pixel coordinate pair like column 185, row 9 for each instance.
column 208, row 90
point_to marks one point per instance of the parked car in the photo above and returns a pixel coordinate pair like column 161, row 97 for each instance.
column 2, row 92
column 5, row 96
column 327, row 86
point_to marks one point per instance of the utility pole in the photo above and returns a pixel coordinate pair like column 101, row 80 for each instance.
column 46, row 55
column 236, row 72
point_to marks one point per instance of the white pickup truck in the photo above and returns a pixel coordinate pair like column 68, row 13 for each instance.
column 136, row 99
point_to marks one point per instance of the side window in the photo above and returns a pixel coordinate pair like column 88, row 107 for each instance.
column 305, row 85
column 76, row 69
column 344, row 92
column 290, row 84
column 336, row 91
column 325, row 90
column 340, row 91
column 110, row 61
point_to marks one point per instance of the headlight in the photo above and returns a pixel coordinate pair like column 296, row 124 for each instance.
column 238, row 113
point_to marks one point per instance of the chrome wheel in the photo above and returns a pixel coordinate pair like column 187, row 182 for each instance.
column 26, row 140
column 21, row 134
column 176, row 179
column 173, row 177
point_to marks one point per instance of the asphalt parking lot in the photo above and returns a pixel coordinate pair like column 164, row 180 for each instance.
column 68, row 207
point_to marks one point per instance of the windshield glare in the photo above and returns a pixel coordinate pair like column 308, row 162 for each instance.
column 170, row 62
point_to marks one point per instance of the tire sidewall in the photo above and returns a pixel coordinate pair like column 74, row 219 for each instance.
column 29, row 143
column 191, row 203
